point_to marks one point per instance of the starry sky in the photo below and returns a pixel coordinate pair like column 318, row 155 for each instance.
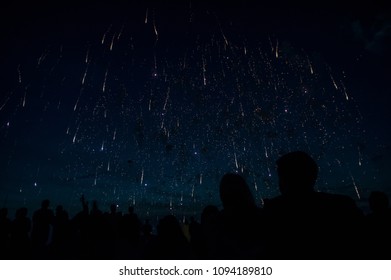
column 149, row 104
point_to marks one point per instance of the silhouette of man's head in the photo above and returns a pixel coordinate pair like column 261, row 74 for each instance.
column 297, row 173
column 235, row 193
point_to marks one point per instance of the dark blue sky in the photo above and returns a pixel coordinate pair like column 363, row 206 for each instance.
column 149, row 103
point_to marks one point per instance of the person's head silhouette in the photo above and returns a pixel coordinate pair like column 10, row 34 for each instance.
column 235, row 194
column 45, row 204
column 297, row 173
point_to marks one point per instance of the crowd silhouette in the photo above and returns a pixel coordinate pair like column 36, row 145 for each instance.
column 300, row 223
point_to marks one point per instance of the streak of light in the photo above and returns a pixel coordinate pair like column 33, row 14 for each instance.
column 87, row 55
column 255, row 183
column 112, row 42
column 142, row 177
column 24, row 98
column 19, row 74
column 96, row 176
column 5, row 103
column 184, row 61
column 104, row 82
column 355, row 187
column 310, row 65
column 85, row 74
column 222, row 33
column 41, row 58
column 120, row 33
column 334, row 83
column 166, row 101
column 146, row 17
column 155, row 30
column 204, row 70
column 359, row 156
column 344, row 91
column 271, row 44
column 225, row 38
column 74, row 136
column 105, row 34
column 77, row 102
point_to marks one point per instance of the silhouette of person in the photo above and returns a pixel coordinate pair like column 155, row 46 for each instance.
column 5, row 232
column 20, row 229
column 379, row 204
column 170, row 243
column 305, row 224
column 61, row 233
column 210, row 230
column 235, row 194
column 195, row 232
column 378, row 226
column 131, row 225
column 83, row 229
column 239, row 235
column 42, row 221
column 129, row 235
column 146, row 229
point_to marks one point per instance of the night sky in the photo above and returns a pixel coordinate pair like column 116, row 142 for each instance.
column 149, row 104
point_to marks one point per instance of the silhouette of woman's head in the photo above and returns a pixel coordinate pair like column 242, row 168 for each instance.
column 297, row 173
column 235, row 193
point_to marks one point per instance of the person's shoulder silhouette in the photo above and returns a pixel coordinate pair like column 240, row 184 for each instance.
column 5, row 231
column 378, row 226
column 20, row 229
column 297, row 174
column 378, row 204
column 238, row 231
